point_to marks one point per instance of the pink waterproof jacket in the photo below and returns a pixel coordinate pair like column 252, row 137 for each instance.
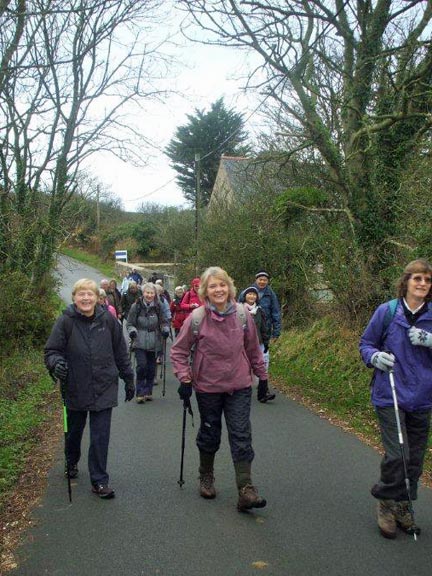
column 226, row 355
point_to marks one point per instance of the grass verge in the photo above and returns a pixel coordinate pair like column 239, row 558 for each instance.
column 321, row 368
column 107, row 268
column 27, row 402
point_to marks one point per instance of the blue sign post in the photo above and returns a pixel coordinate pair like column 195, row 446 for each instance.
column 121, row 255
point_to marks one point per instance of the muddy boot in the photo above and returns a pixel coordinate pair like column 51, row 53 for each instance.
column 263, row 392
column 248, row 494
column 207, row 488
column 405, row 519
column 249, row 498
column 386, row 510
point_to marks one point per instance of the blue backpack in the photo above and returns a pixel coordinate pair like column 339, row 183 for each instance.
column 388, row 318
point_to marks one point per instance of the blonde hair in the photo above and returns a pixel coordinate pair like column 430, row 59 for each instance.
column 87, row 284
column 220, row 274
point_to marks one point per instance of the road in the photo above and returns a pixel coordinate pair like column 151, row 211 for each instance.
column 320, row 518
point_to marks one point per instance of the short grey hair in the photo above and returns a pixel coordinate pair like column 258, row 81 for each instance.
column 148, row 286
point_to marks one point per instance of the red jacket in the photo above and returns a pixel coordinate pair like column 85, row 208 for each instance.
column 190, row 301
column 226, row 356
column 178, row 315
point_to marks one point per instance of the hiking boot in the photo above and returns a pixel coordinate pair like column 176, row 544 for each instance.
column 405, row 518
column 267, row 397
column 386, row 518
column 207, row 487
column 73, row 471
column 102, row 491
column 249, row 498
column 263, row 393
column 140, row 399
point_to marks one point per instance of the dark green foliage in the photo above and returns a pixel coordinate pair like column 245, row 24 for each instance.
column 26, row 316
column 292, row 202
column 245, row 237
column 136, row 237
column 209, row 134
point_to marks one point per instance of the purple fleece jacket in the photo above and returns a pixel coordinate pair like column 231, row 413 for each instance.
column 226, row 356
column 413, row 366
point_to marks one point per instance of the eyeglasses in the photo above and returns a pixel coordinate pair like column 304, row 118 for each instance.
column 420, row 278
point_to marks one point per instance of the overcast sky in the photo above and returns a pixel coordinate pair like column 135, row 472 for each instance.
column 207, row 73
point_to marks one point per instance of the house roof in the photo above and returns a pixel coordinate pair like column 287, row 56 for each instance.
column 240, row 175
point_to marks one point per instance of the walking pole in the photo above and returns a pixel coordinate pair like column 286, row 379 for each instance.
column 186, row 408
column 132, row 358
column 65, row 429
column 180, row 482
column 164, row 366
column 414, row 529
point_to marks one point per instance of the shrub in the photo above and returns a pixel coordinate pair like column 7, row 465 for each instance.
column 26, row 317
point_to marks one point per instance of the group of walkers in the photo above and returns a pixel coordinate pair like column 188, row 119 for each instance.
column 220, row 345
column 148, row 314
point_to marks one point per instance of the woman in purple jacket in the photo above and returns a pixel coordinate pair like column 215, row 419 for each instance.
column 401, row 340
column 226, row 355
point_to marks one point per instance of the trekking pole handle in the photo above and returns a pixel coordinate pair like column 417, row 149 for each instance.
column 396, row 405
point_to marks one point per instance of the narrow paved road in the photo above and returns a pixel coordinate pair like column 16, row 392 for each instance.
column 319, row 519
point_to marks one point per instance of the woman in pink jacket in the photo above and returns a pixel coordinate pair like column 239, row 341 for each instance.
column 226, row 355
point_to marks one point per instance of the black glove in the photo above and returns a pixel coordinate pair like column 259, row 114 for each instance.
column 165, row 332
column 129, row 391
column 185, row 393
column 61, row 369
column 133, row 334
column 265, row 348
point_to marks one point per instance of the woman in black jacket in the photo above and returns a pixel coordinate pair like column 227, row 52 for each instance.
column 87, row 352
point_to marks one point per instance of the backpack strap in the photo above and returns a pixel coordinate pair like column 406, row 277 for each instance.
column 388, row 318
column 241, row 315
column 197, row 318
column 68, row 326
column 199, row 313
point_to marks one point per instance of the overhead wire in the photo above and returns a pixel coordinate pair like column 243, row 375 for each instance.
column 255, row 110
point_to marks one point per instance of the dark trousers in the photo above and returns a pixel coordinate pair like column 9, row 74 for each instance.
column 415, row 431
column 100, row 428
column 236, row 409
column 145, row 371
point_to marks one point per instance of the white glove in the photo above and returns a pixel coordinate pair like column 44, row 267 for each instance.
column 420, row 337
column 383, row 361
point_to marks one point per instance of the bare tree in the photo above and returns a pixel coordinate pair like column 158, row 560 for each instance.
column 351, row 79
column 69, row 75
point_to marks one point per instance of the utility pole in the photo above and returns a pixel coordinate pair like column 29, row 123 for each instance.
column 197, row 208
column 97, row 208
